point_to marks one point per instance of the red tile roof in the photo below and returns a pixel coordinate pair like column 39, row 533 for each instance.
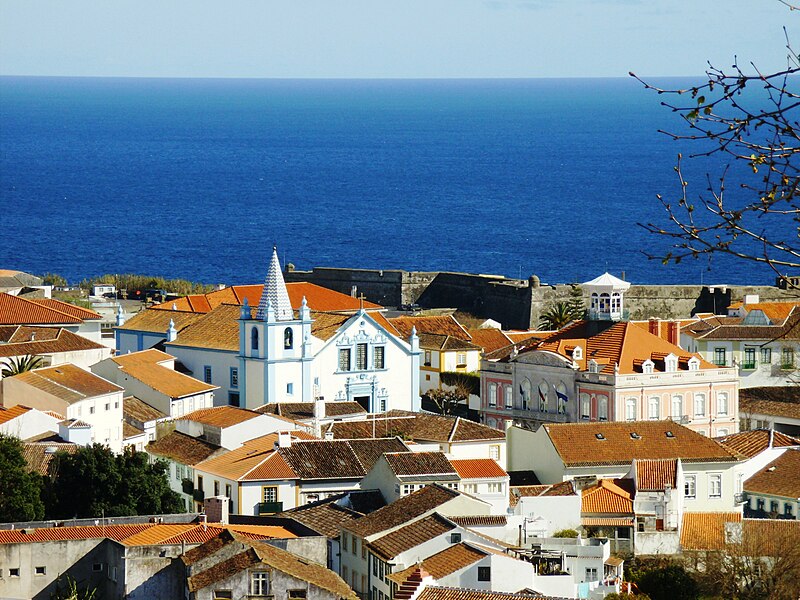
column 68, row 382
column 12, row 413
column 416, row 426
column 407, row 464
column 655, row 475
column 20, row 311
column 608, row 496
column 490, row 339
column 750, row 443
column 444, row 563
column 706, row 531
column 478, row 468
column 22, row 340
column 611, row 443
column 70, row 309
column 444, row 325
column 221, row 416
column 447, row 593
column 412, row 535
column 781, row 477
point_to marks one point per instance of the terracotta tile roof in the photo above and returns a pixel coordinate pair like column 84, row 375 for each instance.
column 411, row 464
column 139, row 410
column 157, row 321
column 130, row 431
column 38, row 456
column 21, row 340
column 73, row 310
column 489, row 338
column 608, row 496
column 182, row 448
column 326, row 325
column 198, row 534
column 223, row 570
column 299, row 411
column 706, row 531
column 416, row 426
column 156, row 535
column 607, row 521
column 750, row 443
column 444, row 563
column 337, row 459
column 480, row 520
column 273, row 467
column 564, row 488
column 365, row 501
column 607, row 344
column 7, row 414
column 579, row 444
column 402, row 510
column 254, row 454
column 21, row 311
column 654, row 475
column 776, row 312
column 68, row 382
column 410, row 536
column 781, row 477
column 443, row 325
column 325, row 516
column 733, row 330
column 317, row 297
column 114, row 532
column 148, row 366
column 220, row 416
column 447, row 593
column 777, row 401
column 430, row 341
column 478, row 468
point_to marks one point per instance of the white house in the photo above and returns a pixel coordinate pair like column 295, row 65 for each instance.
column 54, row 345
column 73, row 392
column 150, row 375
column 24, row 422
column 230, row 427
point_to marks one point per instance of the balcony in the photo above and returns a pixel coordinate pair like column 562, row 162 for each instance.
column 187, row 485
column 740, row 498
column 198, row 495
column 748, row 366
column 269, row 508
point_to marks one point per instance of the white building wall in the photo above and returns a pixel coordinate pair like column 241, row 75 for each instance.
column 477, row 449
column 220, row 362
column 29, row 424
column 548, row 514
column 251, row 493
column 104, row 414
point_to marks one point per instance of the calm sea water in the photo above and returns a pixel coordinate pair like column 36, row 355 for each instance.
column 198, row 178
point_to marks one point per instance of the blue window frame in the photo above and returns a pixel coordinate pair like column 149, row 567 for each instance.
column 234, row 377
column 207, row 374
column 254, row 339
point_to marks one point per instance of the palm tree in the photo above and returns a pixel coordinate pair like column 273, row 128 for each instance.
column 20, row 364
column 557, row 316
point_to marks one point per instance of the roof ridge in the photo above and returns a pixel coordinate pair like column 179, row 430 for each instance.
column 45, row 307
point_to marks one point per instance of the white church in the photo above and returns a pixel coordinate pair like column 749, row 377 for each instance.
column 279, row 352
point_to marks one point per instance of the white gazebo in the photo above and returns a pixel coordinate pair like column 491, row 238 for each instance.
column 606, row 298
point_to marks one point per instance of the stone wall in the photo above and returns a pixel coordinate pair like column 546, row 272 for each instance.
column 518, row 303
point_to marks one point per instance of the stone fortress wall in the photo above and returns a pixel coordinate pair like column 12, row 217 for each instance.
column 517, row 303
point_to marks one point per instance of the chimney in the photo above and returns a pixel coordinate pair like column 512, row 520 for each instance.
column 673, row 332
column 653, row 326
column 284, row 439
column 216, row 508
column 172, row 333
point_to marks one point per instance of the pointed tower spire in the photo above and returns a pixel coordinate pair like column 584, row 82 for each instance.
column 275, row 292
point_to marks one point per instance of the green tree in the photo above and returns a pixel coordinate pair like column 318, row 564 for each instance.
column 20, row 364
column 576, row 303
column 666, row 582
column 53, row 279
column 446, row 400
column 114, row 485
column 566, row 533
column 67, row 588
column 20, row 489
column 557, row 316
column 749, row 120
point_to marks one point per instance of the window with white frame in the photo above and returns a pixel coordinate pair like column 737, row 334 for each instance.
column 495, row 488
column 694, row 364
column 677, row 406
column 427, row 358
column 591, row 574
column 259, row 583
column 647, row 367
column 689, row 486
column 461, row 360
column 714, row 485
column 722, row 403
column 509, row 394
column 344, row 359
column 654, row 408
column 361, row 357
column 671, row 363
column 585, row 406
column 494, row 452
column 378, row 360
column 469, row 488
column 602, row 408
column 492, row 393
column 699, row 405
column 630, row 409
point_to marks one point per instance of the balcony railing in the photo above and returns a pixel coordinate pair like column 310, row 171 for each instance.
column 740, row 498
column 188, row 486
column 268, row 508
column 199, row 495
column 748, row 366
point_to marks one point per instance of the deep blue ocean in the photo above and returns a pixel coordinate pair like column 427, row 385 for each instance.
column 199, row 178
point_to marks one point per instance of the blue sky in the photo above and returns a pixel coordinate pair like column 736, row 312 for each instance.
column 382, row 38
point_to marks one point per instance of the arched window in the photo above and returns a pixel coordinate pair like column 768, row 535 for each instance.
column 254, row 339
column 561, row 397
column 630, row 409
column 616, row 302
column 677, row 406
column 604, row 302
column 722, row 403
column 288, row 338
column 654, row 408
column 594, row 300
column 602, row 408
column 492, row 393
column 525, row 390
column 543, row 390
column 585, row 406
column 700, row 405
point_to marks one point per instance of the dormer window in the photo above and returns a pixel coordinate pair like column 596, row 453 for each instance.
column 694, row 364
column 647, row 367
column 671, row 363
column 577, row 353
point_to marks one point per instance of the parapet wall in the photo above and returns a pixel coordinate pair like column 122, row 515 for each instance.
column 518, row 303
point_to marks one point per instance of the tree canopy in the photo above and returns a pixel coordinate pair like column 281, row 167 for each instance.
column 114, row 485
column 20, row 489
